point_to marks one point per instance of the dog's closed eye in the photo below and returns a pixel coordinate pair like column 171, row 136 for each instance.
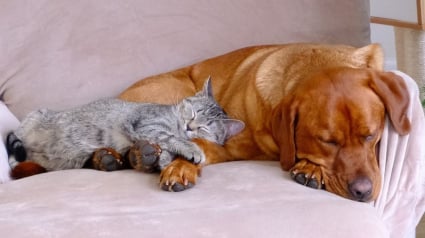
column 328, row 141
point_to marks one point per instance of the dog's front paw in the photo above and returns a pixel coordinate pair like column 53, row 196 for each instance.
column 308, row 174
column 179, row 175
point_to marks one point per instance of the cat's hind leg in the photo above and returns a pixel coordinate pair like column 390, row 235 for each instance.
column 106, row 159
column 15, row 147
column 144, row 156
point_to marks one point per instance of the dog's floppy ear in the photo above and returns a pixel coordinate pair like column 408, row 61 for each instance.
column 372, row 55
column 394, row 94
column 283, row 130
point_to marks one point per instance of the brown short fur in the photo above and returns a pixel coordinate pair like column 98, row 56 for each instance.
column 270, row 88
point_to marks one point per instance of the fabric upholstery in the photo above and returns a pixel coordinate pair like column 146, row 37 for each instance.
column 59, row 54
column 78, row 51
column 235, row 199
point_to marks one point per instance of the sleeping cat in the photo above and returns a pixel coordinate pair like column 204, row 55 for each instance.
column 67, row 139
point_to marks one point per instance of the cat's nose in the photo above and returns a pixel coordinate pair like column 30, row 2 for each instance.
column 188, row 128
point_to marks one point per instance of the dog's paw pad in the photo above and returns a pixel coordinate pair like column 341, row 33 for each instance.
column 304, row 180
column 299, row 178
column 179, row 176
column 312, row 183
column 307, row 174
column 177, row 187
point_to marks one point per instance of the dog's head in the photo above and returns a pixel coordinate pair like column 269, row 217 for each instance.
column 281, row 71
column 335, row 120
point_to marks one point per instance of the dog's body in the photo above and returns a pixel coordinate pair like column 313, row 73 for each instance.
column 323, row 124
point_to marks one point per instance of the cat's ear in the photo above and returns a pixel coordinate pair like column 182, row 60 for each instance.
column 207, row 90
column 233, row 127
column 185, row 108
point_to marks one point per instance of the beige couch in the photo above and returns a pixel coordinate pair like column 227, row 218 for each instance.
column 60, row 53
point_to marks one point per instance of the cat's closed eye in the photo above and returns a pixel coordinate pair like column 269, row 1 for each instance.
column 204, row 129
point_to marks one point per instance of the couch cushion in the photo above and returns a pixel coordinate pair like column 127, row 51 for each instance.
column 235, row 199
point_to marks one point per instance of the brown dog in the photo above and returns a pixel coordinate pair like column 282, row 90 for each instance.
column 317, row 108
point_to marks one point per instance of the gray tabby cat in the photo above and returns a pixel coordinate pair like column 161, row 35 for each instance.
column 67, row 139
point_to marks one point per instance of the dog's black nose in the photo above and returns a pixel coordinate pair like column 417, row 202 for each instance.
column 361, row 189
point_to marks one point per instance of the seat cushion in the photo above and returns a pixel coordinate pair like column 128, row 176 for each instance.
column 234, row 199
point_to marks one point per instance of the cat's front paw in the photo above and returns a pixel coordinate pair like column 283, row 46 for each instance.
column 194, row 154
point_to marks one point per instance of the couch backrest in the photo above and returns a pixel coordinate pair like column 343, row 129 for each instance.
column 61, row 53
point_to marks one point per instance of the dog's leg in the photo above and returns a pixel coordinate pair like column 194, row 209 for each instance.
column 181, row 174
column 308, row 174
column 214, row 153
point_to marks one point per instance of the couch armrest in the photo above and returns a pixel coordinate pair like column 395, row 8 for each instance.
column 402, row 162
column 8, row 122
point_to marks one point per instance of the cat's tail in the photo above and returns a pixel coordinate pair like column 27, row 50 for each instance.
column 15, row 148
column 17, row 156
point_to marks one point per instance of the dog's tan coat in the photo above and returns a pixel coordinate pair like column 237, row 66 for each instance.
column 263, row 85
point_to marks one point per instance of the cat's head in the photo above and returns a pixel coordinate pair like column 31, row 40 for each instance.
column 204, row 118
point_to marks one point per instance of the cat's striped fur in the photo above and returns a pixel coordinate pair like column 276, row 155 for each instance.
column 66, row 139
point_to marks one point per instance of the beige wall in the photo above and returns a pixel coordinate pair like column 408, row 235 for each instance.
column 403, row 10
column 384, row 35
